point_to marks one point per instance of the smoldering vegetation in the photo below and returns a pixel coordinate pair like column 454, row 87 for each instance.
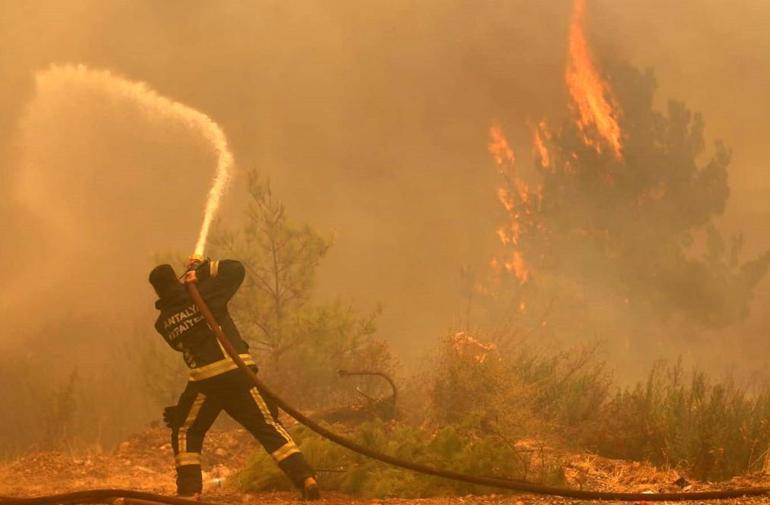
column 371, row 123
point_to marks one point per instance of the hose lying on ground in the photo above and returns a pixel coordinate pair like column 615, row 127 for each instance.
column 112, row 496
column 513, row 485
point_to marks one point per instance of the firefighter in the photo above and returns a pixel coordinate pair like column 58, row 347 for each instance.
column 215, row 382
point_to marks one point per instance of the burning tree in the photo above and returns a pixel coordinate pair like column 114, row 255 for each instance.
column 620, row 214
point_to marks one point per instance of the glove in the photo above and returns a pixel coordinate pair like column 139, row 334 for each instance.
column 169, row 416
column 195, row 261
column 197, row 269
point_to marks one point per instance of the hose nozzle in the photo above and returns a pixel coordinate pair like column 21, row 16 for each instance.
column 194, row 260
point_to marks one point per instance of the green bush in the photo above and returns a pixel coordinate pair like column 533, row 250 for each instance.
column 451, row 447
column 711, row 430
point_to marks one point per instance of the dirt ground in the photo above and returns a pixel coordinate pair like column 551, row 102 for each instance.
column 145, row 462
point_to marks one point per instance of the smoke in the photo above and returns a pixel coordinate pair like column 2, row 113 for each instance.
column 108, row 176
column 104, row 166
column 37, row 188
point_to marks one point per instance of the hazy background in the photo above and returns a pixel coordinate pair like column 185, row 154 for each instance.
column 371, row 119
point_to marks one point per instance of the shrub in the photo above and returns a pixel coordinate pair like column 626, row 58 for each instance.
column 451, row 447
column 712, row 430
column 515, row 390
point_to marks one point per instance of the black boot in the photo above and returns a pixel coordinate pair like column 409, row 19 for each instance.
column 310, row 490
column 188, row 480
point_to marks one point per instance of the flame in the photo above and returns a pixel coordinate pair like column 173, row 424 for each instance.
column 466, row 345
column 502, row 233
column 522, row 190
column 590, row 94
column 517, row 200
column 518, row 267
column 500, row 150
column 540, row 135
column 597, row 118
column 505, row 199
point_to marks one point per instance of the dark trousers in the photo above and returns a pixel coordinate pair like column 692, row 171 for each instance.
column 198, row 407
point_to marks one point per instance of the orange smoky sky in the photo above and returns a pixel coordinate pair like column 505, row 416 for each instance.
column 371, row 119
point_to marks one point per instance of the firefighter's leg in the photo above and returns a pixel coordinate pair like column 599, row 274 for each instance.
column 260, row 416
column 195, row 413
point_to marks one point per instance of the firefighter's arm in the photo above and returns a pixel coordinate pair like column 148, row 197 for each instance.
column 223, row 276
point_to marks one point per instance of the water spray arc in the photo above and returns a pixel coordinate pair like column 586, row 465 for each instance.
column 218, row 187
column 156, row 107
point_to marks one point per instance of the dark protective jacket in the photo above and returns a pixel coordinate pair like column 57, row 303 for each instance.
column 185, row 329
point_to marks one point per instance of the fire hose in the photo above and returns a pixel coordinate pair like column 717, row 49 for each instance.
column 130, row 497
column 513, row 485
column 112, row 496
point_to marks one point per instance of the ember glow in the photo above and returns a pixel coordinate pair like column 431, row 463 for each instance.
column 591, row 95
